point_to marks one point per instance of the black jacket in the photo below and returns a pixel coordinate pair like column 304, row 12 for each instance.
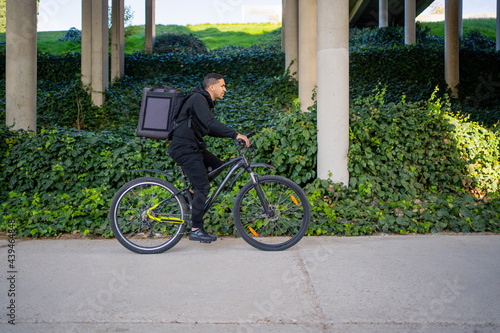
column 188, row 136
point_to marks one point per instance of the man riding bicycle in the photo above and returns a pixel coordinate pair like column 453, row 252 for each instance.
column 189, row 150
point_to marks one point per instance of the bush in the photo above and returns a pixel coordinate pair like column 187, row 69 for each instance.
column 338, row 211
column 64, row 179
column 72, row 35
column 291, row 145
column 414, row 71
column 58, row 68
column 413, row 168
column 131, row 30
column 390, row 37
column 474, row 40
column 183, row 43
column 252, row 60
column 415, row 165
column 67, row 104
column 407, row 149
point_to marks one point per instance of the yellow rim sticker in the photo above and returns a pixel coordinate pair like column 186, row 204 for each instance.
column 163, row 219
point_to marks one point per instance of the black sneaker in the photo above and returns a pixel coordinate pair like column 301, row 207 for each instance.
column 202, row 236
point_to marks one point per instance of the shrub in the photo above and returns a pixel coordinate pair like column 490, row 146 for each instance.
column 72, row 35
column 183, row 43
column 67, row 104
column 415, row 165
column 407, row 149
column 414, row 168
column 474, row 40
column 291, row 145
column 338, row 211
column 63, row 180
column 390, row 37
column 131, row 30
column 58, row 68
column 252, row 60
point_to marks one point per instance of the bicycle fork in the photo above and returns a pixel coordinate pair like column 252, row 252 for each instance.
column 255, row 180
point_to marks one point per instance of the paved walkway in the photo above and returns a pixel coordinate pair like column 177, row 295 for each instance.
column 430, row 283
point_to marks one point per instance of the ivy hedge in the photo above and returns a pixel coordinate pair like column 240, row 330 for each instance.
column 418, row 161
column 414, row 168
column 414, row 70
column 227, row 61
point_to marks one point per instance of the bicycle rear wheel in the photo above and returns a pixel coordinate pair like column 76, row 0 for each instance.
column 140, row 226
column 287, row 220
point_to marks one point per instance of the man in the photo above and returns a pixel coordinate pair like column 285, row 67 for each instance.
column 188, row 149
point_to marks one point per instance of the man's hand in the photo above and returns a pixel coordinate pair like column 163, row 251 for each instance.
column 244, row 138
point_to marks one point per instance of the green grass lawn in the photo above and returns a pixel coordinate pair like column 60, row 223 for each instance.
column 486, row 27
column 213, row 35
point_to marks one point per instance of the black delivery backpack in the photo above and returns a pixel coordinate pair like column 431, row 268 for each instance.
column 159, row 109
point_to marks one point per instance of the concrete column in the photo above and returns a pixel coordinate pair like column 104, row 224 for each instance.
column 451, row 61
column 333, row 90
column 117, row 39
column 460, row 18
column 150, row 26
column 283, row 15
column 383, row 13
column 86, row 52
column 292, row 36
column 307, row 51
column 410, row 15
column 95, row 54
column 100, row 51
column 498, row 25
column 20, row 64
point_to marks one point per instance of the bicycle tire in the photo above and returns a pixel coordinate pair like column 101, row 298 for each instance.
column 289, row 218
column 129, row 220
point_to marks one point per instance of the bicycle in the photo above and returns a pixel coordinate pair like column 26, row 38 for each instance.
column 149, row 214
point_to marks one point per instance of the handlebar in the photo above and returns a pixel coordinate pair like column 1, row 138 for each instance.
column 241, row 144
column 251, row 133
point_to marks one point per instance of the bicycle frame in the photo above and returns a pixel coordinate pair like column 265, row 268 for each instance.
column 237, row 163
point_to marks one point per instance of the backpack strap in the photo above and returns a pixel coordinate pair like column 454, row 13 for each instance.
column 189, row 116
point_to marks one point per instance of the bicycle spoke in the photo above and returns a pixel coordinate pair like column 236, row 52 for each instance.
column 287, row 218
column 130, row 221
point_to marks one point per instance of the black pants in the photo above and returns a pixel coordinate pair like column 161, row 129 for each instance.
column 196, row 166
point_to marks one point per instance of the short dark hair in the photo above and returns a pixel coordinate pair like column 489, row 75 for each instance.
column 210, row 79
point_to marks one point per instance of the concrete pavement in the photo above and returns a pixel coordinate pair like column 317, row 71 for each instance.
column 415, row 283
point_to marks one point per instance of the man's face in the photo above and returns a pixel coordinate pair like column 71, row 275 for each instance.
column 218, row 89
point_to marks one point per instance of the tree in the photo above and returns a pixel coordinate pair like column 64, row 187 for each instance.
column 437, row 7
column 128, row 15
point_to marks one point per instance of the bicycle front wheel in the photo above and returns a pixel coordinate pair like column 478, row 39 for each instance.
column 287, row 217
column 147, row 216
